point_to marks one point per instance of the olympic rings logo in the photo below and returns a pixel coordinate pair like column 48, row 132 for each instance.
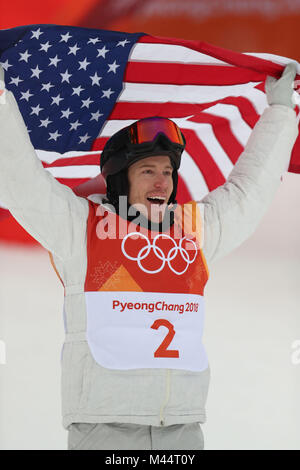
column 144, row 252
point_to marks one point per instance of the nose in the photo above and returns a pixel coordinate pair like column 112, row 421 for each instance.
column 161, row 181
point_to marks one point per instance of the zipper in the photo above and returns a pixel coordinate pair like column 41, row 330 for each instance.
column 161, row 416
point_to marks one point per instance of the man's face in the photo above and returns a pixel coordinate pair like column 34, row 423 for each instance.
column 151, row 185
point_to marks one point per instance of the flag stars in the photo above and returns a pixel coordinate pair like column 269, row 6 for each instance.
column 36, row 72
column 46, row 86
column 26, row 95
column 54, row 135
column 73, row 49
column 102, row 52
column 74, row 125
column 66, row 113
column 45, row 46
column 95, row 79
column 54, row 61
column 95, row 116
column 5, row 65
column 113, row 67
column 84, row 64
column 94, row 40
column 36, row 110
column 36, row 34
column 65, row 76
column 56, row 99
column 45, row 123
column 107, row 93
column 84, row 138
column 123, row 43
column 15, row 81
column 77, row 91
column 65, row 37
column 86, row 103
column 24, row 56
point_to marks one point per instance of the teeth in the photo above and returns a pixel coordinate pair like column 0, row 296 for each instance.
column 156, row 197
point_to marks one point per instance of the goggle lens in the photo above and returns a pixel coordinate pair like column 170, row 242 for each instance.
column 147, row 130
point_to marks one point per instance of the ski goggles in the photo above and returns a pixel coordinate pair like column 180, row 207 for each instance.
column 148, row 129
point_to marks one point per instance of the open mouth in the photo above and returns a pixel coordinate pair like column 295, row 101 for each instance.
column 156, row 200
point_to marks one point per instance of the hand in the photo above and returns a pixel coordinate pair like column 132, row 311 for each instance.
column 281, row 91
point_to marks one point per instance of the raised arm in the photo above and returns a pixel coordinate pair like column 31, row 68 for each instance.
column 234, row 210
column 48, row 210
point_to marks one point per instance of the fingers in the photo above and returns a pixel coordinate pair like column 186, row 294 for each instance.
column 290, row 71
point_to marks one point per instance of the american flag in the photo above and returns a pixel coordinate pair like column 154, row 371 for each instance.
column 75, row 87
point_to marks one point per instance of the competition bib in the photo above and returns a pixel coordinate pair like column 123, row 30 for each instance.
column 132, row 330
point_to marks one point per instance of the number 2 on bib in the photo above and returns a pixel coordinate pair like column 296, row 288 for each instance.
column 162, row 350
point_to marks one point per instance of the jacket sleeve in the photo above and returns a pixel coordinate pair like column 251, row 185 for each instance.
column 47, row 209
column 233, row 211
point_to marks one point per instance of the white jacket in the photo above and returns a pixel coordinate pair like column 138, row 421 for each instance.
column 56, row 217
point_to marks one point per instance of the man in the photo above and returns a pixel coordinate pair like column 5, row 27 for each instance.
column 134, row 372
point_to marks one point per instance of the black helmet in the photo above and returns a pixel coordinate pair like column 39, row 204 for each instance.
column 144, row 138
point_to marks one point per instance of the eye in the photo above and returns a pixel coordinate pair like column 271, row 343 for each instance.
column 147, row 171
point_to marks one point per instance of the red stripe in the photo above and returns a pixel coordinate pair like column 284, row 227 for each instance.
column 245, row 107
column 203, row 159
column 295, row 158
column 72, row 182
column 263, row 66
column 4, row 213
column 178, row 110
column 99, row 143
column 223, row 133
column 83, row 160
column 189, row 74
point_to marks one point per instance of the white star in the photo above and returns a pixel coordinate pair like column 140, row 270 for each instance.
column 54, row 60
column 36, row 110
column 123, row 43
column 45, row 123
column 45, row 46
column 46, row 86
column 36, row 34
column 102, row 52
column 66, row 113
column 65, row 37
column 66, row 76
column 83, row 64
column 74, row 125
column 113, row 67
column 95, row 79
column 86, row 103
column 84, row 138
column 54, row 135
column 24, row 56
column 77, row 91
column 26, row 96
column 36, row 72
column 107, row 93
column 5, row 65
column 94, row 40
column 95, row 116
column 56, row 99
column 15, row 81
column 73, row 49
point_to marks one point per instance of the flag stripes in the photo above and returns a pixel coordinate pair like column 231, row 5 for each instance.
column 214, row 95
